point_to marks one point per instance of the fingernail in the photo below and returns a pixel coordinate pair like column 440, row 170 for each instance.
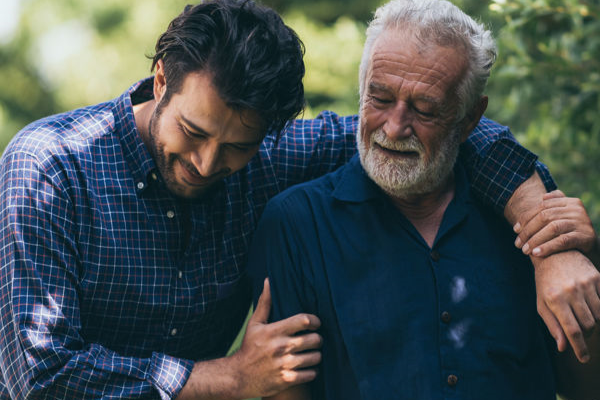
column 518, row 242
column 517, row 227
column 536, row 251
column 525, row 248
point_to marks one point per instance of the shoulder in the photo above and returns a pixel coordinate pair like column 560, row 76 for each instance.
column 300, row 201
column 56, row 134
column 487, row 126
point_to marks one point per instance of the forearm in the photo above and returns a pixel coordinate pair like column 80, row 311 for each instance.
column 527, row 197
column 215, row 380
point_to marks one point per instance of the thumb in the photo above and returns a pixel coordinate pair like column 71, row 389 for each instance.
column 263, row 307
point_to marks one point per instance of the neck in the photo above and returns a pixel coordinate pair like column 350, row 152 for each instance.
column 143, row 113
column 425, row 211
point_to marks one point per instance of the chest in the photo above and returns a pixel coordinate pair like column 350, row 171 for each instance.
column 411, row 316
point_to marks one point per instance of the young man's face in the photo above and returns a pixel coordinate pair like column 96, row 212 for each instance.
column 195, row 139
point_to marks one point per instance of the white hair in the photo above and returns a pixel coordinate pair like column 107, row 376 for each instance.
column 441, row 23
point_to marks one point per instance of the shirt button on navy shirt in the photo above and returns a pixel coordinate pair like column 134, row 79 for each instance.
column 452, row 380
column 446, row 317
column 435, row 255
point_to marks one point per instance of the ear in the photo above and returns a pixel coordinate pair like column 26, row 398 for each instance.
column 160, row 83
column 474, row 115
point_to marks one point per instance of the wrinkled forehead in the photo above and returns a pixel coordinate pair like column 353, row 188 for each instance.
column 399, row 53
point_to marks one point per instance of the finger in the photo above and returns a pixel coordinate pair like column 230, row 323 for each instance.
column 263, row 306
column 572, row 330
column 564, row 242
column 553, row 202
column 593, row 301
column 553, row 327
column 584, row 315
column 308, row 341
column 565, row 230
column 554, row 221
column 297, row 323
column 302, row 360
column 555, row 194
column 297, row 377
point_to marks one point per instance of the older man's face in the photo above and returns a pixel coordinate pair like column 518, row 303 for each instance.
column 409, row 137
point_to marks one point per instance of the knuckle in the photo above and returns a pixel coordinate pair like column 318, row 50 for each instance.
column 556, row 298
column 288, row 376
column 588, row 325
column 555, row 227
column 574, row 332
column 563, row 240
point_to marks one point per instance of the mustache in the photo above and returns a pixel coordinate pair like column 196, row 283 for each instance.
column 412, row 143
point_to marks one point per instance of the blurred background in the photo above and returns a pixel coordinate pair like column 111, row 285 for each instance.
column 60, row 54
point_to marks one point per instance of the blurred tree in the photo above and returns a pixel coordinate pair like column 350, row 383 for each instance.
column 546, row 85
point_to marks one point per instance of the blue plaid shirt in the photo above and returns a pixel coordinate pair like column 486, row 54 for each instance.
column 111, row 287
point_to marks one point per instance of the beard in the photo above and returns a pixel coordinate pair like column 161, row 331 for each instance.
column 412, row 175
column 166, row 163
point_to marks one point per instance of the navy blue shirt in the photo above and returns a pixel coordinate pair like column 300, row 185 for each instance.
column 401, row 320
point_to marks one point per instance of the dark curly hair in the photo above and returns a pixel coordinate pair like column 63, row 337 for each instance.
column 254, row 58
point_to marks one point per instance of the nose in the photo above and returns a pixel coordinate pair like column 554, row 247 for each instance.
column 206, row 159
column 398, row 124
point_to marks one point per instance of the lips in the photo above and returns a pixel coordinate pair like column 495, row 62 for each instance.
column 397, row 153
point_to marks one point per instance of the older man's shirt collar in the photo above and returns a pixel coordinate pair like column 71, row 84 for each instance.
column 355, row 186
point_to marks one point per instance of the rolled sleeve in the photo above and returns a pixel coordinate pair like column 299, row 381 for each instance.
column 169, row 374
column 498, row 164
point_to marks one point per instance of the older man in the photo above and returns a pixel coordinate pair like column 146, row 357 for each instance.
column 419, row 289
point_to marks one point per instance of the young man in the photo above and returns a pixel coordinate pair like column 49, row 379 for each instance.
column 420, row 291
column 125, row 225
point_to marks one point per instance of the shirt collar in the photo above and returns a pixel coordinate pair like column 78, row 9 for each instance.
column 138, row 158
column 354, row 185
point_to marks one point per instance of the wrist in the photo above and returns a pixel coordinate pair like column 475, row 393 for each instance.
column 213, row 379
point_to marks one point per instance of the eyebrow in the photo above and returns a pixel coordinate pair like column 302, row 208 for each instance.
column 375, row 86
column 379, row 87
column 201, row 131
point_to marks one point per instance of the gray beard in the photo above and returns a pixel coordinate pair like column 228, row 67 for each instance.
column 408, row 178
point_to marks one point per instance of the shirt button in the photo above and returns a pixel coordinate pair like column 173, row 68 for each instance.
column 435, row 255
column 174, row 332
column 170, row 214
column 446, row 317
column 452, row 380
column 153, row 176
column 180, row 274
column 140, row 185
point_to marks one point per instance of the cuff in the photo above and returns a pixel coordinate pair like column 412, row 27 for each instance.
column 169, row 374
column 544, row 174
column 506, row 166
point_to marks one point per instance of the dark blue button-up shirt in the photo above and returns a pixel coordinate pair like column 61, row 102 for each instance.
column 401, row 320
column 102, row 295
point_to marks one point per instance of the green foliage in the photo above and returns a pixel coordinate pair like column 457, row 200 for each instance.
column 546, row 86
